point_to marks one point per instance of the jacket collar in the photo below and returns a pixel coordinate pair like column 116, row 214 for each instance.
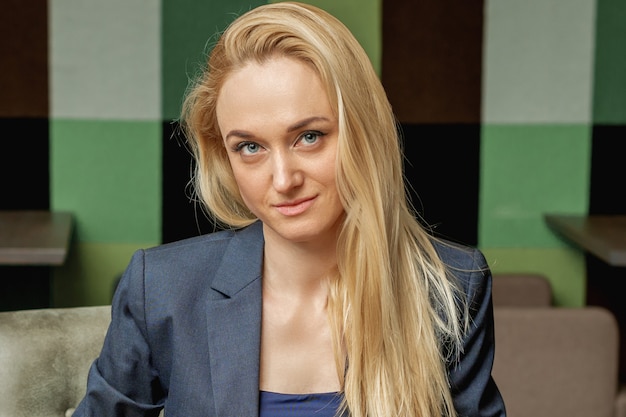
column 234, row 325
column 242, row 261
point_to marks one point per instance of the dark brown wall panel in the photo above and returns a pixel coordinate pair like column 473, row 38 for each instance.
column 24, row 52
column 432, row 59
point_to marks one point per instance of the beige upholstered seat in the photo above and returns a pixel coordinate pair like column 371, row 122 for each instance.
column 521, row 290
column 45, row 355
column 556, row 362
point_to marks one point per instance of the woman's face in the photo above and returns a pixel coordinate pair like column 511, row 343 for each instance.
column 281, row 138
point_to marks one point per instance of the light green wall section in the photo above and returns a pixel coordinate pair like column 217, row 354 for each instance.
column 609, row 95
column 564, row 268
column 538, row 61
column 89, row 276
column 527, row 171
column 108, row 174
column 105, row 59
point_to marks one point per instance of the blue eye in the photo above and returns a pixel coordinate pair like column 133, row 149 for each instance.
column 247, row 147
column 310, row 138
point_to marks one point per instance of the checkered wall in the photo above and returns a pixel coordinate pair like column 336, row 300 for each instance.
column 509, row 110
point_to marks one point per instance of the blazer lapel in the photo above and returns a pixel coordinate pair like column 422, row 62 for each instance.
column 234, row 326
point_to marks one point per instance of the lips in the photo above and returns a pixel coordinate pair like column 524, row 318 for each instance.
column 296, row 207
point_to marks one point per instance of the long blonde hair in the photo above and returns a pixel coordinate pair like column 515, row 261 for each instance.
column 398, row 319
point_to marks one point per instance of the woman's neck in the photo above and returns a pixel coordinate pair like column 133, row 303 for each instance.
column 297, row 353
column 298, row 267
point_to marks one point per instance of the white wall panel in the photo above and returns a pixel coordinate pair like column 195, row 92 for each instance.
column 538, row 61
column 105, row 59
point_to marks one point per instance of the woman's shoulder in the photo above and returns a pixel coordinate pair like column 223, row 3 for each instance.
column 466, row 263
column 206, row 243
column 227, row 260
column 458, row 255
column 228, row 252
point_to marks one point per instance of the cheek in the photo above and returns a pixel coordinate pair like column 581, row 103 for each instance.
column 326, row 173
column 249, row 190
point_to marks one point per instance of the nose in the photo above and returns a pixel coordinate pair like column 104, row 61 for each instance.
column 287, row 173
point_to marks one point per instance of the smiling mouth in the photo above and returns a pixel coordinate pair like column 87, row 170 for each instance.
column 295, row 208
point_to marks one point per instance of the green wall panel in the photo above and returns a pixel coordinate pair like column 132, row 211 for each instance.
column 609, row 96
column 189, row 29
column 109, row 175
column 365, row 25
column 529, row 170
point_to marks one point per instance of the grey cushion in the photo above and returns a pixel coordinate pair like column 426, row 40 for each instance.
column 521, row 290
column 45, row 356
column 556, row 361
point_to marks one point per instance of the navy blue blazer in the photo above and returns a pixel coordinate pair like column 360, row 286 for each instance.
column 186, row 329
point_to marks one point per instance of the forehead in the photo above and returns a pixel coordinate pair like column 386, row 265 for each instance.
column 274, row 76
column 278, row 90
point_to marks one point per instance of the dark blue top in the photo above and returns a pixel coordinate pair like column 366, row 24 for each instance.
column 272, row 404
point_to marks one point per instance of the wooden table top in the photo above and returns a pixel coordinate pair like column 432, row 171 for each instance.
column 602, row 235
column 34, row 237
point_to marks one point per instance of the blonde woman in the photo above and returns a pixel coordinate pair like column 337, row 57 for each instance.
column 324, row 297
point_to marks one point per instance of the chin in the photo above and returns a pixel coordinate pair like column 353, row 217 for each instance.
column 299, row 232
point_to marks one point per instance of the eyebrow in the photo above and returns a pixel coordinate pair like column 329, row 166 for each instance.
column 296, row 126
column 306, row 122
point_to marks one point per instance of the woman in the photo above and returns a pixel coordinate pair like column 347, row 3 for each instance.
column 326, row 297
